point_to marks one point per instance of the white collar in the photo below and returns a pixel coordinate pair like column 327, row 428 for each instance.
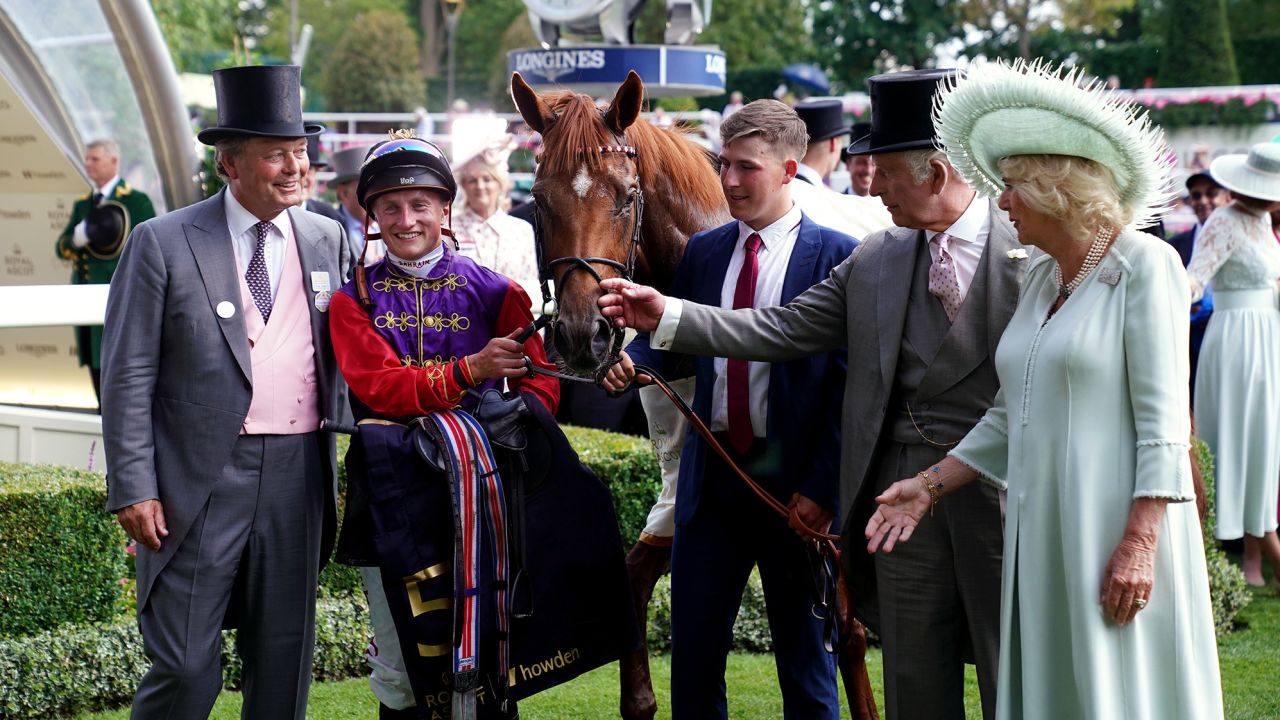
column 241, row 220
column 773, row 232
column 804, row 172
column 969, row 227
column 110, row 187
column 421, row 267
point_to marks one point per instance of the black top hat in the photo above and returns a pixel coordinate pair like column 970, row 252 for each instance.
column 347, row 162
column 259, row 101
column 902, row 112
column 824, row 119
column 106, row 226
column 315, row 153
column 860, row 130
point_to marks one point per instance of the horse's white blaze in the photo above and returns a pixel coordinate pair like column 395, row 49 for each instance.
column 582, row 182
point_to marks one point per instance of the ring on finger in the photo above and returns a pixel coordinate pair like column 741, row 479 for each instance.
column 1140, row 603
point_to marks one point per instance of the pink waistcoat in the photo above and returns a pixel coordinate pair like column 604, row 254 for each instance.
column 285, row 400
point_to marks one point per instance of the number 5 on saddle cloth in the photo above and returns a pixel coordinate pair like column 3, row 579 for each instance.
column 434, row 505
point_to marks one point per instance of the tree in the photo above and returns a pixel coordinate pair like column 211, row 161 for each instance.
column 203, row 35
column 1007, row 24
column 859, row 38
column 1198, row 52
column 374, row 67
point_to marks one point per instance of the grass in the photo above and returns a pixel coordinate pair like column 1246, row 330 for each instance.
column 1249, row 661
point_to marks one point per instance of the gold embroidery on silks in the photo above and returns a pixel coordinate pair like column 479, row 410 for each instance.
column 440, row 323
column 429, row 362
column 452, row 281
column 389, row 320
column 395, row 283
column 436, row 380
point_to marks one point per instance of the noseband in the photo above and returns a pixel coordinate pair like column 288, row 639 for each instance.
column 546, row 268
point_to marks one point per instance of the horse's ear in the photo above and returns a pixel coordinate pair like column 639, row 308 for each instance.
column 625, row 107
column 536, row 114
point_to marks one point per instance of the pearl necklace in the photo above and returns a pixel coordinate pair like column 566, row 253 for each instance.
column 1101, row 242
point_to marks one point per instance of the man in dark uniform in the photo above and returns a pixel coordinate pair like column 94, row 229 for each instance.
column 94, row 259
column 318, row 162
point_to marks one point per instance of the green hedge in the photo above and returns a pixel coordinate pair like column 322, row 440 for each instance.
column 61, row 555
column 80, row 669
column 1227, row 588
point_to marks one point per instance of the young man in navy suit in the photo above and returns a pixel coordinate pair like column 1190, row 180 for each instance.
column 780, row 422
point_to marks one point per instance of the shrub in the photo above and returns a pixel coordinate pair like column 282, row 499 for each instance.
column 85, row 668
column 750, row 630
column 1227, row 589
column 61, row 554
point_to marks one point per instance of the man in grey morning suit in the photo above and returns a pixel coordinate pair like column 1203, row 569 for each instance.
column 217, row 373
column 921, row 307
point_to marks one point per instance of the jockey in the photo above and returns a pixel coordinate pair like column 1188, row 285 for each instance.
column 421, row 331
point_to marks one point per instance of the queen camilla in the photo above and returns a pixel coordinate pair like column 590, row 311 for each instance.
column 1105, row 609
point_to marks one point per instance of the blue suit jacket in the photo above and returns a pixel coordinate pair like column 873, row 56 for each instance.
column 805, row 396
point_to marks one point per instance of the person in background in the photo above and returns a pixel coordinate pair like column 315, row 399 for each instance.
column 483, row 229
column 94, row 259
column 1104, row 602
column 346, row 172
column 317, row 162
column 862, row 168
column 1204, row 195
column 733, row 106
column 1237, row 406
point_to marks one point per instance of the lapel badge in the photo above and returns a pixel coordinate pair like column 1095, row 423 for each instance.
column 322, row 300
column 226, row 310
column 1110, row 276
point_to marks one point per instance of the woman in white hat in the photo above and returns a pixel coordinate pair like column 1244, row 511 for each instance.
column 1238, row 385
column 1105, row 609
column 485, row 232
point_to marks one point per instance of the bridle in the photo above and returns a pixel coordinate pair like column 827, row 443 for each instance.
column 546, row 273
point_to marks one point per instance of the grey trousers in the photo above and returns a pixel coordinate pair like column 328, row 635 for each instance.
column 939, row 597
column 252, row 553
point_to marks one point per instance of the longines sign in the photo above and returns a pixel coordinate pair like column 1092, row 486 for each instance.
column 598, row 70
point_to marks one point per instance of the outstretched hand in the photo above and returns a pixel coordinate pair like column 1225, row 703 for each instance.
column 629, row 305
column 901, row 507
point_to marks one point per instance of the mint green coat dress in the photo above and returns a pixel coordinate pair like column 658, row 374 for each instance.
column 1093, row 413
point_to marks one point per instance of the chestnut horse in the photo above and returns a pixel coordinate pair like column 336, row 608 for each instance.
column 614, row 194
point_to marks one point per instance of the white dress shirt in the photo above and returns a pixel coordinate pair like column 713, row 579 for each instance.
column 777, row 241
column 968, row 239
column 806, row 173
column 244, row 239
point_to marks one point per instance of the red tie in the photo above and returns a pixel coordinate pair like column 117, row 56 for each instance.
column 739, row 396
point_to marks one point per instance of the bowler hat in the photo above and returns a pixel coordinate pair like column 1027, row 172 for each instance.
column 902, row 112
column 315, row 153
column 860, row 130
column 346, row 163
column 106, row 226
column 258, row 101
column 824, row 119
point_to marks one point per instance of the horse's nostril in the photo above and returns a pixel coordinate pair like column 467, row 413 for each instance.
column 601, row 339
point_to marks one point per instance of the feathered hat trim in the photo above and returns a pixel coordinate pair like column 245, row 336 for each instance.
column 996, row 110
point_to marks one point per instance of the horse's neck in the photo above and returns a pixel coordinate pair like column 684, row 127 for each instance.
column 667, row 229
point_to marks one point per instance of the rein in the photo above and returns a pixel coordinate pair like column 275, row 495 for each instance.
column 546, row 273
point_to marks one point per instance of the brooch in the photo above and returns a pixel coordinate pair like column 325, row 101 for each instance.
column 1018, row 254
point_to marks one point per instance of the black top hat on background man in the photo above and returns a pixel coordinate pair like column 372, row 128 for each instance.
column 824, row 119
column 259, row 101
column 901, row 111
column 347, row 162
column 107, row 226
column 315, row 153
column 860, row 130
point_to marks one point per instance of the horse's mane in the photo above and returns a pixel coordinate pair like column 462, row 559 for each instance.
column 659, row 153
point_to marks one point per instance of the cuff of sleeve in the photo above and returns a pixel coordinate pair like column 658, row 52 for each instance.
column 665, row 334
column 985, row 474
column 1164, row 471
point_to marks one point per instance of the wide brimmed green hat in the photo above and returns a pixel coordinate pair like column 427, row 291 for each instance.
column 995, row 110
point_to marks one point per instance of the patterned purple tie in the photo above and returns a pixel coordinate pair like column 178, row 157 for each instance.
column 942, row 278
column 256, row 276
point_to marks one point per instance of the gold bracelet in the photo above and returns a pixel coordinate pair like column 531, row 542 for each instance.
column 934, row 489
